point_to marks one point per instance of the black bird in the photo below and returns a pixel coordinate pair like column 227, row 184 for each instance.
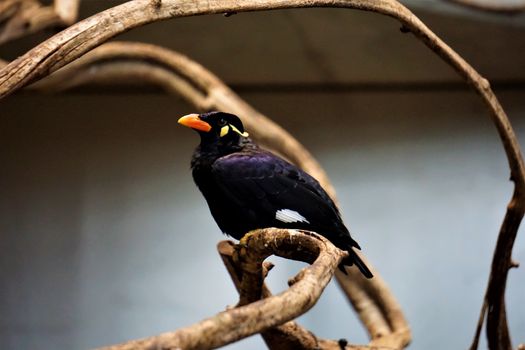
column 248, row 188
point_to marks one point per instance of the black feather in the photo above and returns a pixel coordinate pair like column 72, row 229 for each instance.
column 246, row 186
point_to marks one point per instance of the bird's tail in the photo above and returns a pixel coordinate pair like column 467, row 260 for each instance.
column 352, row 259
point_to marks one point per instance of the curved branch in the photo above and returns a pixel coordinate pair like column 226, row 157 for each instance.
column 238, row 323
column 179, row 75
column 384, row 318
column 290, row 335
column 91, row 32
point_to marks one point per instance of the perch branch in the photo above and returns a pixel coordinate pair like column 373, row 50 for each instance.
column 179, row 75
column 243, row 321
column 283, row 337
column 22, row 17
column 290, row 335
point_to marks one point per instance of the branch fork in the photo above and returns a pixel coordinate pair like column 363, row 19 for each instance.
column 257, row 315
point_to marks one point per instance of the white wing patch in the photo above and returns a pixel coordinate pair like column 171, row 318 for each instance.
column 289, row 216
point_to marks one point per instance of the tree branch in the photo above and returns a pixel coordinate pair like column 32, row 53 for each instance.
column 22, row 17
column 290, row 335
column 283, row 337
column 382, row 317
column 179, row 75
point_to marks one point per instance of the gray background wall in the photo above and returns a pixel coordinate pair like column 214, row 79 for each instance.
column 105, row 237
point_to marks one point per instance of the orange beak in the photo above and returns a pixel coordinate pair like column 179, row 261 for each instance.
column 193, row 121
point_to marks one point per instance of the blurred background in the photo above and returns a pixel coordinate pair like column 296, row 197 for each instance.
column 105, row 238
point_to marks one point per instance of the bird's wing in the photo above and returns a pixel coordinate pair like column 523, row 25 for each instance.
column 280, row 193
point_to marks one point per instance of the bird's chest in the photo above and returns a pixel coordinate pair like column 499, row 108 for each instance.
column 232, row 217
column 204, row 180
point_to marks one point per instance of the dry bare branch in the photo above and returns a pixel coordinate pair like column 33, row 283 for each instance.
column 22, row 17
column 383, row 317
column 243, row 321
column 179, row 75
column 290, row 335
column 283, row 337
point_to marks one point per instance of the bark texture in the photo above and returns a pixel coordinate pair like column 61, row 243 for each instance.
column 22, row 17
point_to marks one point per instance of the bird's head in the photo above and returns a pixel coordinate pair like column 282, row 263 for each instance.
column 215, row 126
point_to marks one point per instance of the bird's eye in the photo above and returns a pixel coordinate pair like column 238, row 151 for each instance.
column 221, row 122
